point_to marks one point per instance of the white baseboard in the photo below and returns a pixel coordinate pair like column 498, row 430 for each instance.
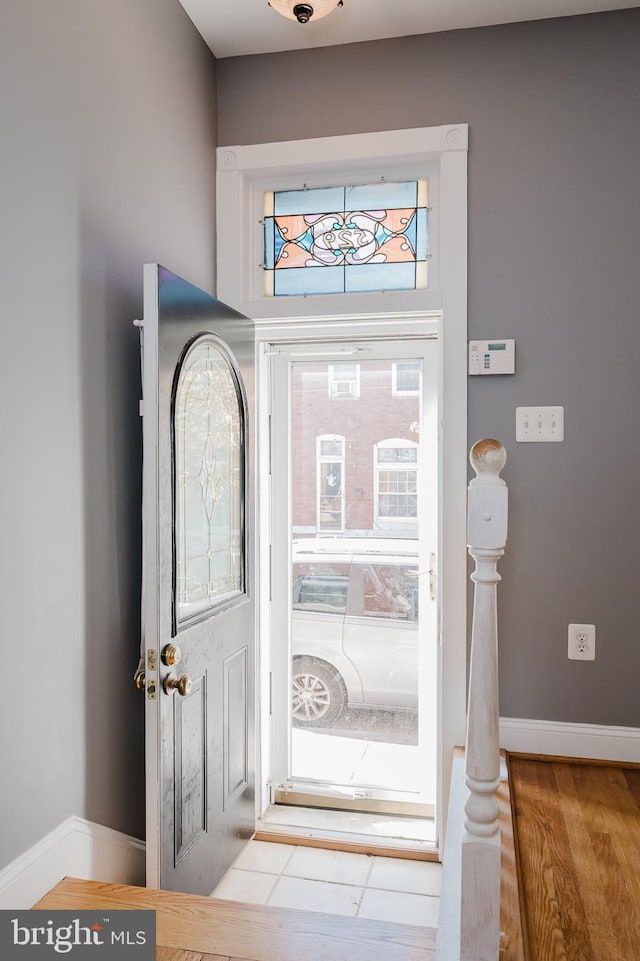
column 76, row 848
column 564, row 739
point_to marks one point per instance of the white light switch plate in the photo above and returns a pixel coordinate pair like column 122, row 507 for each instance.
column 539, row 424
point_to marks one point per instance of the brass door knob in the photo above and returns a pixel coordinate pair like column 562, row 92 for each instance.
column 171, row 654
column 140, row 680
column 182, row 685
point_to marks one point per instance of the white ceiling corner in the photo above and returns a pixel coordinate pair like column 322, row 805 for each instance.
column 239, row 27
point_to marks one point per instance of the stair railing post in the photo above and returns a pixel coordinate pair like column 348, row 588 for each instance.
column 486, row 537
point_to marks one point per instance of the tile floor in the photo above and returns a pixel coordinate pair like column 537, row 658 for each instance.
column 335, row 882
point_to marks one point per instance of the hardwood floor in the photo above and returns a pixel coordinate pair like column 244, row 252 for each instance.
column 511, row 934
column 173, row 954
column 578, row 839
column 193, row 928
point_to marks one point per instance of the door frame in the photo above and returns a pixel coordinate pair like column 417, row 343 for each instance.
column 244, row 172
column 150, row 602
column 381, row 341
column 452, row 514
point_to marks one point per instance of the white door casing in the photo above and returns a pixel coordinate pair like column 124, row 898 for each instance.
column 243, row 174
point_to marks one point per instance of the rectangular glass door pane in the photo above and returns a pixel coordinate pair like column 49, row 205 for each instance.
column 358, row 648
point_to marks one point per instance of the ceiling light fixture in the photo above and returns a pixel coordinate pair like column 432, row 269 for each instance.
column 304, row 12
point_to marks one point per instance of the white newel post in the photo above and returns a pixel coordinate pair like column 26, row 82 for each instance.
column 486, row 538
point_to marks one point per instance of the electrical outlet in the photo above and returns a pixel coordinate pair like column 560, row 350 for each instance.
column 582, row 642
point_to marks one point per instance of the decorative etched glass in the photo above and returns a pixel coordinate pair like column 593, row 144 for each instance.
column 364, row 238
column 209, row 481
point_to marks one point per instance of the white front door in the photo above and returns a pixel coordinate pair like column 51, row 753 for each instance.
column 198, row 583
column 354, row 537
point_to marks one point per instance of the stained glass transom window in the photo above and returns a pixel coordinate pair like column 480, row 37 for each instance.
column 209, row 481
column 331, row 240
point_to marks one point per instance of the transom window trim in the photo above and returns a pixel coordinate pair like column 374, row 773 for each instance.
column 246, row 172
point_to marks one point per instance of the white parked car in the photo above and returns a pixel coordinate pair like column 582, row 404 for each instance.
column 354, row 627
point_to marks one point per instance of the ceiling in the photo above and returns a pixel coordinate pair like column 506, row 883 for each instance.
column 237, row 27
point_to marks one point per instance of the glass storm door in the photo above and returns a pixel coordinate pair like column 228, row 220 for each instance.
column 355, row 465
column 198, row 592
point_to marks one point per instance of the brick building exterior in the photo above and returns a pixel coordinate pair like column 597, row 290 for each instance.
column 355, row 431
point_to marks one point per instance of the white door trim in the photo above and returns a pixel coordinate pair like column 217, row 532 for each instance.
column 389, row 344
column 243, row 173
column 150, row 598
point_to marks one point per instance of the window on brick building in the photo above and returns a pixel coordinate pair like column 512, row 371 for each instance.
column 344, row 380
column 396, row 479
column 406, row 378
column 329, row 486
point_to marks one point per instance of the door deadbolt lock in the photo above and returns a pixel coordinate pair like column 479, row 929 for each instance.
column 141, row 683
column 181, row 685
column 171, row 654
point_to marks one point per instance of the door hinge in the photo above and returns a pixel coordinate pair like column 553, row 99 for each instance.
column 141, row 408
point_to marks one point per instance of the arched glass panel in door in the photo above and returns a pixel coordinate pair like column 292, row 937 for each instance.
column 209, row 480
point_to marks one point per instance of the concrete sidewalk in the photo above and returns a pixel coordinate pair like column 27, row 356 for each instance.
column 363, row 764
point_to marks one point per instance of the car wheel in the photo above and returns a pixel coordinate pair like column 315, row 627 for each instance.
column 318, row 694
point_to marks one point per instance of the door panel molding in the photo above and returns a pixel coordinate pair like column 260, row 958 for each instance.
column 191, row 768
column 236, row 740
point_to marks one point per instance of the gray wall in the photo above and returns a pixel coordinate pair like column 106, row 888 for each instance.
column 554, row 214
column 108, row 120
